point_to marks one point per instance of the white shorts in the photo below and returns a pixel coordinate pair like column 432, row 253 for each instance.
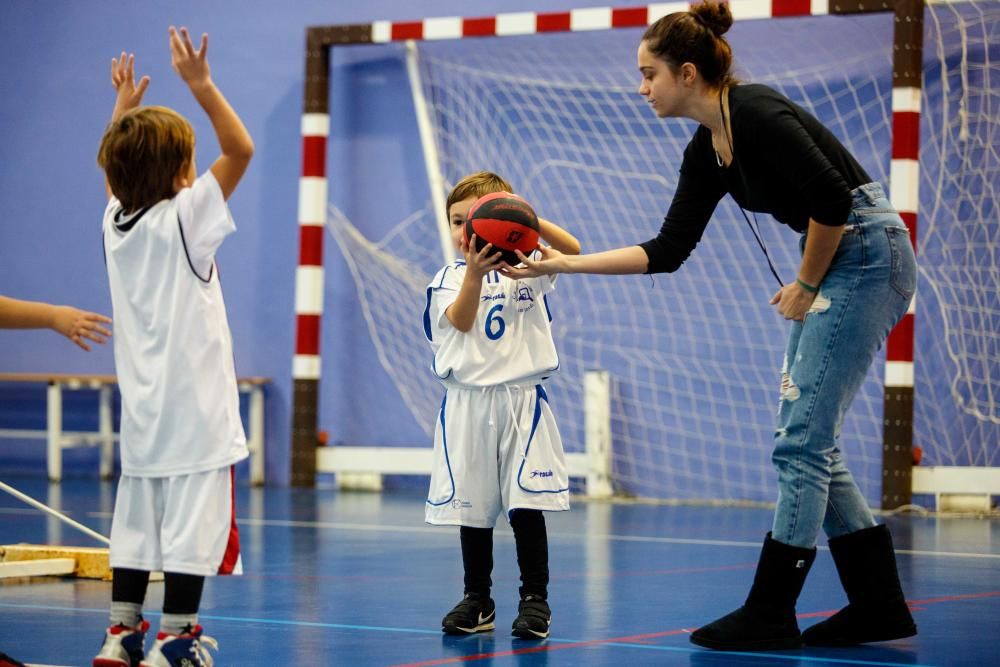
column 496, row 449
column 184, row 524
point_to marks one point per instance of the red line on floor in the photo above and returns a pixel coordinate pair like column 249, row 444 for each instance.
column 954, row 598
column 545, row 647
column 915, row 604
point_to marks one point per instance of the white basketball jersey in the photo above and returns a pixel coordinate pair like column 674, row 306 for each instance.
column 173, row 348
column 511, row 340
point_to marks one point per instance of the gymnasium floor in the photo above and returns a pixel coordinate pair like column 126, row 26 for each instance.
column 338, row 578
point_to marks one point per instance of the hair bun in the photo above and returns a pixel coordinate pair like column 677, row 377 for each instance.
column 716, row 16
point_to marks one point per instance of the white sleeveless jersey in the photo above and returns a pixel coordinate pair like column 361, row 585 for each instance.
column 173, row 348
column 511, row 340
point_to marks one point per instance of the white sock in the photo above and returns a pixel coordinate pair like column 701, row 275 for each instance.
column 125, row 613
column 176, row 624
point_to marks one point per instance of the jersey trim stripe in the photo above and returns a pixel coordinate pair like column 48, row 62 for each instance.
column 188, row 255
column 428, row 331
column 427, row 316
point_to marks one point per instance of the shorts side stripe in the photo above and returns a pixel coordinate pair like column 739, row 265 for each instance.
column 444, row 441
column 540, row 396
column 232, row 554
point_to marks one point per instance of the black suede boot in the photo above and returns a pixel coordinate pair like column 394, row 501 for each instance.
column 766, row 621
column 877, row 611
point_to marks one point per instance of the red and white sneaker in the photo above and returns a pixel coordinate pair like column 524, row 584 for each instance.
column 189, row 649
column 122, row 646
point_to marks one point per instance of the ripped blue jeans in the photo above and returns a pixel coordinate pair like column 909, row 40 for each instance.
column 865, row 292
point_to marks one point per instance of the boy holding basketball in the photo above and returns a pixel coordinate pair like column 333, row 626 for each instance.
column 496, row 444
column 181, row 432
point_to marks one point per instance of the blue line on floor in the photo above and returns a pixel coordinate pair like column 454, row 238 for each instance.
column 589, row 643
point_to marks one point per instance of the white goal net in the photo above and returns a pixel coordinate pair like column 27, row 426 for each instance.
column 957, row 371
column 695, row 356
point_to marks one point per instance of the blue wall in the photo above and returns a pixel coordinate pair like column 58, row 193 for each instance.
column 55, row 99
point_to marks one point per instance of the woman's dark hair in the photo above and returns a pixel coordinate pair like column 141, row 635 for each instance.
column 696, row 37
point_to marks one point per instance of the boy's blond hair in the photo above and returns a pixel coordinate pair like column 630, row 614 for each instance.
column 477, row 185
column 142, row 152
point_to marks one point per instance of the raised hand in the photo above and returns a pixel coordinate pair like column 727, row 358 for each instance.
column 237, row 147
column 123, row 79
column 190, row 64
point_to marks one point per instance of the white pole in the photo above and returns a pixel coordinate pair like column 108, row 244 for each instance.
column 48, row 510
column 432, row 162
column 597, row 432
column 54, row 421
column 107, row 433
column 256, row 417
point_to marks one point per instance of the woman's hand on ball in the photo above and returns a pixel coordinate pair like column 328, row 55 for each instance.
column 552, row 261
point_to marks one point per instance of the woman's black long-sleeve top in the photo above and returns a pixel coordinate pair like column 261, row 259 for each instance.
column 785, row 162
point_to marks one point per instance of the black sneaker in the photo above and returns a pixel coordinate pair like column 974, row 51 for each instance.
column 472, row 614
column 533, row 618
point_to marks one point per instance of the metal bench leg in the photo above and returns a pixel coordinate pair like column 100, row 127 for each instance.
column 255, row 442
column 107, row 434
column 54, row 419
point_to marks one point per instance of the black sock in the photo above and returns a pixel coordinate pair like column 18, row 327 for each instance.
column 182, row 593
column 128, row 591
column 532, row 551
column 477, row 558
column 181, row 599
column 129, row 585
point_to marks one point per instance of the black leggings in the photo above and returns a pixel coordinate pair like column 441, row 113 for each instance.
column 532, row 545
column 181, row 592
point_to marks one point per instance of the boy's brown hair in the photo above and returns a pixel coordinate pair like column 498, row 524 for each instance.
column 142, row 152
column 477, row 185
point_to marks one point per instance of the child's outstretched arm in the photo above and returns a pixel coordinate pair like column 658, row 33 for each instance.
column 77, row 325
column 234, row 140
column 558, row 238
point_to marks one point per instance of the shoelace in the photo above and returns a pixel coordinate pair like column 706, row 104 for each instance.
column 199, row 648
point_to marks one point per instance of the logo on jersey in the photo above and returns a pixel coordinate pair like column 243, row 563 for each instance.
column 460, row 504
column 540, row 473
column 525, row 299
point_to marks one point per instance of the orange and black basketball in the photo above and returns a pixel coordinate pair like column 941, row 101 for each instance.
column 506, row 221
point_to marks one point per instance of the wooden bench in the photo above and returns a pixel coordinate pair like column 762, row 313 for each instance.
column 105, row 435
